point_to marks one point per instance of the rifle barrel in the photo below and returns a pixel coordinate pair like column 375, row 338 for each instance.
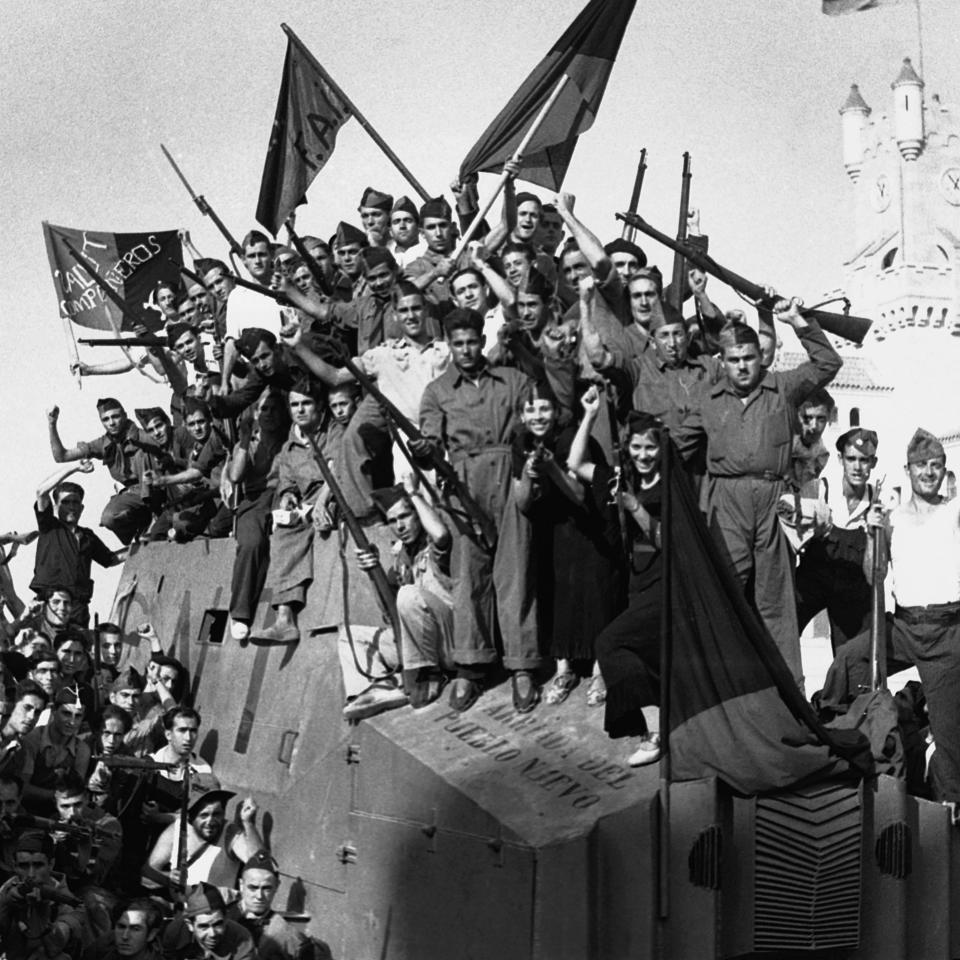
column 678, row 285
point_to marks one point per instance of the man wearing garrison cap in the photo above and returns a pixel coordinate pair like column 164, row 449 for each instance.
column 375, row 208
column 53, row 750
column 128, row 512
column 431, row 271
column 405, row 243
column 746, row 422
column 920, row 541
column 347, row 244
column 830, row 572
column 204, row 932
column 273, row 935
column 35, row 927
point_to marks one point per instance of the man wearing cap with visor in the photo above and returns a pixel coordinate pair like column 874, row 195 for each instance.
column 921, row 542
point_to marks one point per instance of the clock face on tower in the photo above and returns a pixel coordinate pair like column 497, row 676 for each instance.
column 881, row 193
column 950, row 185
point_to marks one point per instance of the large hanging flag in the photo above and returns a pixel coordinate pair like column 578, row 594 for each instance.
column 585, row 55
column 834, row 7
column 735, row 711
column 132, row 264
column 309, row 115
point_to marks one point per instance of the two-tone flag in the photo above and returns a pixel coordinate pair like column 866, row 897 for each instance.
column 585, row 55
column 131, row 264
column 735, row 711
column 309, row 114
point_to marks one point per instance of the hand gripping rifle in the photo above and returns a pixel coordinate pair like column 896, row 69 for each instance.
column 841, row 325
column 203, row 206
column 446, row 476
column 377, row 575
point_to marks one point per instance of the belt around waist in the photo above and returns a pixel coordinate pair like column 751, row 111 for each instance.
column 768, row 475
column 931, row 612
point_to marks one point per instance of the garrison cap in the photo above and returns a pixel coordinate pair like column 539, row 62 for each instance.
column 261, row 860
column 130, row 679
column 665, row 314
column 620, row 245
column 144, row 416
column 35, row 841
column 924, row 445
column 69, row 697
column 346, row 234
column 651, row 273
column 377, row 256
column 203, row 265
column 406, row 205
column 438, row 208
column 203, row 898
column 109, row 403
column 738, row 335
column 866, row 441
column 537, row 284
column 374, row 198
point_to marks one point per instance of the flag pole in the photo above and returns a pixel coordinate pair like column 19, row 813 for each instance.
column 364, row 122
column 72, row 350
column 505, row 176
column 666, row 666
column 920, row 39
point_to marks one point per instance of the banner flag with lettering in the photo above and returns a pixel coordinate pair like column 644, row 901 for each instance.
column 131, row 263
column 309, row 115
column 835, row 7
column 735, row 711
column 585, row 53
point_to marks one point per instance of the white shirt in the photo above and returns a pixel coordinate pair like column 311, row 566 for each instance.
column 246, row 308
column 403, row 369
column 925, row 554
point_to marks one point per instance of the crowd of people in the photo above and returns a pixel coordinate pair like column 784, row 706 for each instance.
column 505, row 411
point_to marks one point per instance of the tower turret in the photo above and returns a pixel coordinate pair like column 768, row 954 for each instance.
column 854, row 114
column 908, row 111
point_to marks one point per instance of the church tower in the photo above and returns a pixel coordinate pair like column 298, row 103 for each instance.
column 902, row 266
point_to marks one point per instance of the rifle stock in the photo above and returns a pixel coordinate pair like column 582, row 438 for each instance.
column 842, row 325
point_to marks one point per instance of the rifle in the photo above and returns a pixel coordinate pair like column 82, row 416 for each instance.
column 204, row 207
column 182, row 857
column 679, row 283
column 312, row 265
column 483, row 526
column 151, row 341
column 82, row 831
column 629, row 232
column 878, row 674
column 841, row 325
column 96, row 664
column 47, row 891
column 377, row 575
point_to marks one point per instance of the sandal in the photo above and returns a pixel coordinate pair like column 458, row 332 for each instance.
column 464, row 694
column 596, row 692
column 525, row 692
column 560, row 687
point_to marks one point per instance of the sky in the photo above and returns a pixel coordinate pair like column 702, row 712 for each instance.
column 89, row 91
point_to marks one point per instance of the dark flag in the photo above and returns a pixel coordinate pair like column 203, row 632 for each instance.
column 585, row 54
column 131, row 263
column 735, row 711
column 834, row 7
column 309, row 115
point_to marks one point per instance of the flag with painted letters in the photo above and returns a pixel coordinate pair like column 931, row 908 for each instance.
column 132, row 264
column 309, row 115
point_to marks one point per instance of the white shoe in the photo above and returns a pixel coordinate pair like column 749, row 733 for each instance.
column 647, row 752
column 239, row 630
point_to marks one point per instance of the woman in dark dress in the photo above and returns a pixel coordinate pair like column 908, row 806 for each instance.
column 577, row 556
column 628, row 650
